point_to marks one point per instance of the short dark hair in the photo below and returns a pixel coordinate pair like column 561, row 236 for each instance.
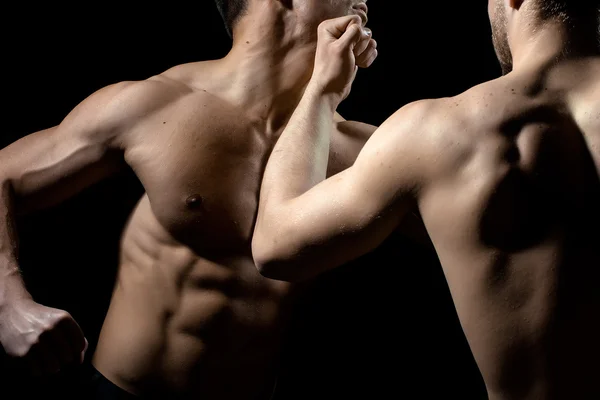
column 572, row 12
column 568, row 9
column 231, row 11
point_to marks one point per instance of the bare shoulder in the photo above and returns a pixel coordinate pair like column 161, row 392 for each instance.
column 122, row 103
column 431, row 136
column 200, row 76
column 585, row 97
column 415, row 123
column 166, row 86
column 576, row 83
column 106, row 114
column 582, row 75
column 122, row 106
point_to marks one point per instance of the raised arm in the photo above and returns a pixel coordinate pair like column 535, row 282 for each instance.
column 41, row 170
column 306, row 224
column 347, row 141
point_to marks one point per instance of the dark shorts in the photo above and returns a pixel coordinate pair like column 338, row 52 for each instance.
column 98, row 387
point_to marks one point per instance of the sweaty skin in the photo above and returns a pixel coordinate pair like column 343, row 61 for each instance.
column 188, row 295
column 189, row 309
column 507, row 179
column 190, row 315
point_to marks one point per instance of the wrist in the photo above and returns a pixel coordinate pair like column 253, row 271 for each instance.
column 12, row 288
column 318, row 92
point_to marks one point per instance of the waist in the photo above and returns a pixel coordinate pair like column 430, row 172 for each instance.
column 187, row 367
column 190, row 336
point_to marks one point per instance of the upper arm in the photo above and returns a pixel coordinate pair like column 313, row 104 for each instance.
column 349, row 214
column 48, row 166
column 347, row 141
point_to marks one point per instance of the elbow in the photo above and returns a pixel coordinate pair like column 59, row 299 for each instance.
column 272, row 261
column 272, row 269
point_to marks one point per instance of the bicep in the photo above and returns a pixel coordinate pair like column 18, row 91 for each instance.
column 342, row 217
column 49, row 166
column 363, row 201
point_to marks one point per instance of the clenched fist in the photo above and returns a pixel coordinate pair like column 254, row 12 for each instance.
column 343, row 46
column 46, row 339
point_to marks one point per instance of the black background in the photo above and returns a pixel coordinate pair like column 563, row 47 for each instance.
column 383, row 326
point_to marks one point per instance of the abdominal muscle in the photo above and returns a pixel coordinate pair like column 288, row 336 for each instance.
column 178, row 323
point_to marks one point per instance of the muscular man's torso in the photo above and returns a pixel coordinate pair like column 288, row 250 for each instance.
column 190, row 314
column 515, row 217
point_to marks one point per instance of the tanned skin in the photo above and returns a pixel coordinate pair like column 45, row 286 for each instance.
column 506, row 177
column 190, row 315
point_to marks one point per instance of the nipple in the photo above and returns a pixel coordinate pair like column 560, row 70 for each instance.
column 195, row 201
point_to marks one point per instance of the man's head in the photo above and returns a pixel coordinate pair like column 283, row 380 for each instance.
column 313, row 12
column 306, row 13
column 569, row 12
column 231, row 11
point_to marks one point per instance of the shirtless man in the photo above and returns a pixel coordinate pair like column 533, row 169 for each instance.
column 507, row 179
column 190, row 316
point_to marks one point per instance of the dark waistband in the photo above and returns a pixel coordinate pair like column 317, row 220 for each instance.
column 100, row 388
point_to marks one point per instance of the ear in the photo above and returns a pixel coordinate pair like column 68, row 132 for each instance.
column 515, row 4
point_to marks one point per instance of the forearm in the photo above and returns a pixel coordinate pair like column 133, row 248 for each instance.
column 11, row 283
column 299, row 159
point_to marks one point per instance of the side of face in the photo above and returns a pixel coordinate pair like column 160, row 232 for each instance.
column 498, row 13
column 313, row 12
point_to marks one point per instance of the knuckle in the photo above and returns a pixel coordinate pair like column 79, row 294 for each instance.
column 47, row 328
column 62, row 315
column 32, row 341
column 19, row 352
column 48, row 325
column 322, row 26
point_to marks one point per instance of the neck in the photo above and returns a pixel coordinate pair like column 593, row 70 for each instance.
column 552, row 41
column 268, row 68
